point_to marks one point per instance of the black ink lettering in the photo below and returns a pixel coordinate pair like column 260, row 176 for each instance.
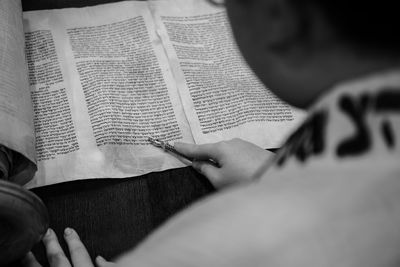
column 387, row 133
column 388, row 100
column 360, row 142
column 308, row 140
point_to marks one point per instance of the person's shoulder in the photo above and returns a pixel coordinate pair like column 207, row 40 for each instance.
column 357, row 121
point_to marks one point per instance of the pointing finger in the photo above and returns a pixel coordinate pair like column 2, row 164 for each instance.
column 208, row 170
column 79, row 255
column 200, row 152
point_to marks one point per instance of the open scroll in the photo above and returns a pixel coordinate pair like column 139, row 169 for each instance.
column 100, row 80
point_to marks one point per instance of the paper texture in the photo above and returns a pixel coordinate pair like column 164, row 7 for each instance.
column 15, row 101
column 221, row 96
column 16, row 123
column 105, row 78
column 100, row 86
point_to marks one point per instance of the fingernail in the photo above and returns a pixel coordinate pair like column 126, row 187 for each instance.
column 100, row 258
column 48, row 232
column 68, row 231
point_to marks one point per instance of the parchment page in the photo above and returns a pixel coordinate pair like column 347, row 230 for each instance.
column 101, row 85
column 222, row 97
column 16, row 119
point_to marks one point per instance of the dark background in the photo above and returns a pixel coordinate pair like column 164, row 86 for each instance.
column 114, row 215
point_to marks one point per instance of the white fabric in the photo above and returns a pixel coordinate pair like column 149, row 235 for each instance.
column 365, row 111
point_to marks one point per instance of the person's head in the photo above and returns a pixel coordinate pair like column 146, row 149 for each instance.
column 301, row 48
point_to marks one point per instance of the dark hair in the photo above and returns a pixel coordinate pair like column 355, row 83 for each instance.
column 364, row 23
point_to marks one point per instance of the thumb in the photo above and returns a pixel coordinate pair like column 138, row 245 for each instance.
column 209, row 170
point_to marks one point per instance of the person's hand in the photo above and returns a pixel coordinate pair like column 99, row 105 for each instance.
column 237, row 160
column 56, row 256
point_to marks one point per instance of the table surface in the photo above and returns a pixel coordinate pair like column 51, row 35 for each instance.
column 114, row 215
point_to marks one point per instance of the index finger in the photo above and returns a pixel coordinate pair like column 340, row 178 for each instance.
column 199, row 152
column 79, row 255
